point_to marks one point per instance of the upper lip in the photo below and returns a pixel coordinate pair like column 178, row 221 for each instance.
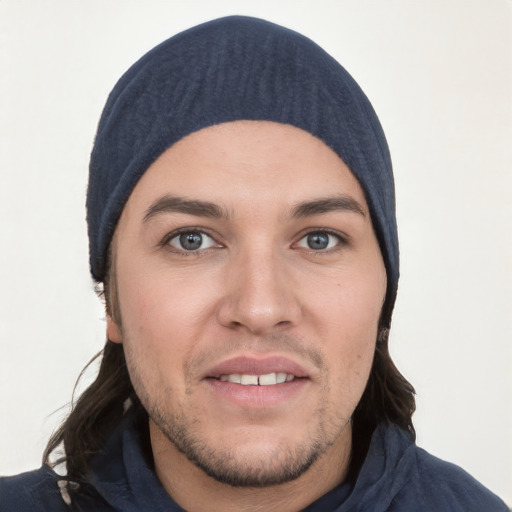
column 257, row 365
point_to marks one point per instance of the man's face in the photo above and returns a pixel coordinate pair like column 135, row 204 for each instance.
column 250, row 284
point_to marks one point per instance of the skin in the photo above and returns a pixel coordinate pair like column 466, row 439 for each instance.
column 258, row 287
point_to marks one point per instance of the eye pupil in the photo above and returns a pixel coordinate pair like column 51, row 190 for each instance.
column 318, row 240
column 191, row 241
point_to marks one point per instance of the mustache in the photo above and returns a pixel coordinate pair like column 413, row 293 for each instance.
column 275, row 342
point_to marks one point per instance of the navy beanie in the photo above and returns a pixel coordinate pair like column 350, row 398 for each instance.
column 236, row 68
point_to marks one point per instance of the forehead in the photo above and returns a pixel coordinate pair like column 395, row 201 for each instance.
column 244, row 163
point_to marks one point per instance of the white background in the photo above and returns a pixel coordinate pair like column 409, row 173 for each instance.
column 439, row 74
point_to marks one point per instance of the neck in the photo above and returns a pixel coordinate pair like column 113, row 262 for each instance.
column 195, row 491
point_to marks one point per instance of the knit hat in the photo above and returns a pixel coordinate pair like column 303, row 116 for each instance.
column 236, row 68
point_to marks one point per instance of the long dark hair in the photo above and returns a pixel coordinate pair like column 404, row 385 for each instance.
column 388, row 398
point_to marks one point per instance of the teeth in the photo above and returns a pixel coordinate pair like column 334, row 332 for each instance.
column 267, row 379
column 249, row 380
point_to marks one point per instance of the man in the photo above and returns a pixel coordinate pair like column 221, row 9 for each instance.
column 241, row 219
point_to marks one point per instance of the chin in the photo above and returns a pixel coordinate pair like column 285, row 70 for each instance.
column 252, row 465
column 250, row 456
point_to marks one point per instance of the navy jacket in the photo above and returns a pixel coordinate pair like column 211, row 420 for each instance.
column 396, row 476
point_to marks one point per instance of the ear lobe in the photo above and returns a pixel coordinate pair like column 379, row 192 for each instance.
column 113, row 331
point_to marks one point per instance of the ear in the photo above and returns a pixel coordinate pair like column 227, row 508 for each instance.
column 113, row 331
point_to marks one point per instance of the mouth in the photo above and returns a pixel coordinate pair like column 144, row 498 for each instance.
column 257, row 381
column 266, row 379
column 257, row 370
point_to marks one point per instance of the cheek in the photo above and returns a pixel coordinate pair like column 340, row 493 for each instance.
column 347, row 313
column 351, row 304
column 163, row 312
column 155, row 331
column 350, row 352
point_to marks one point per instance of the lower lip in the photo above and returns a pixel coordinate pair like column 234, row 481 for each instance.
column 257, row 397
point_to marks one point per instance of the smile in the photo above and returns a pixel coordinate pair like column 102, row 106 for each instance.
column 267, row 379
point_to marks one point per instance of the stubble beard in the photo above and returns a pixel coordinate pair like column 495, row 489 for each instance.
column 226, row 466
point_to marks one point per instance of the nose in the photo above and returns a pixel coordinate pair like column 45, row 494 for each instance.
column 260, row 296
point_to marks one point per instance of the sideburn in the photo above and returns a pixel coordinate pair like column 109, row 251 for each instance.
column 110, row 289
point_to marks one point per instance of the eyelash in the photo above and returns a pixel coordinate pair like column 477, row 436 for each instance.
column 341, row 240
column 166, row 242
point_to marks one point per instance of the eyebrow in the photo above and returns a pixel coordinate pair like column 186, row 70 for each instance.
column 170, row 204
column 326, row 205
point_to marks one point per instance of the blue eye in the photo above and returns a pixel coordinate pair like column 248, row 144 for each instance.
column 192, row 241
column 319, row 241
